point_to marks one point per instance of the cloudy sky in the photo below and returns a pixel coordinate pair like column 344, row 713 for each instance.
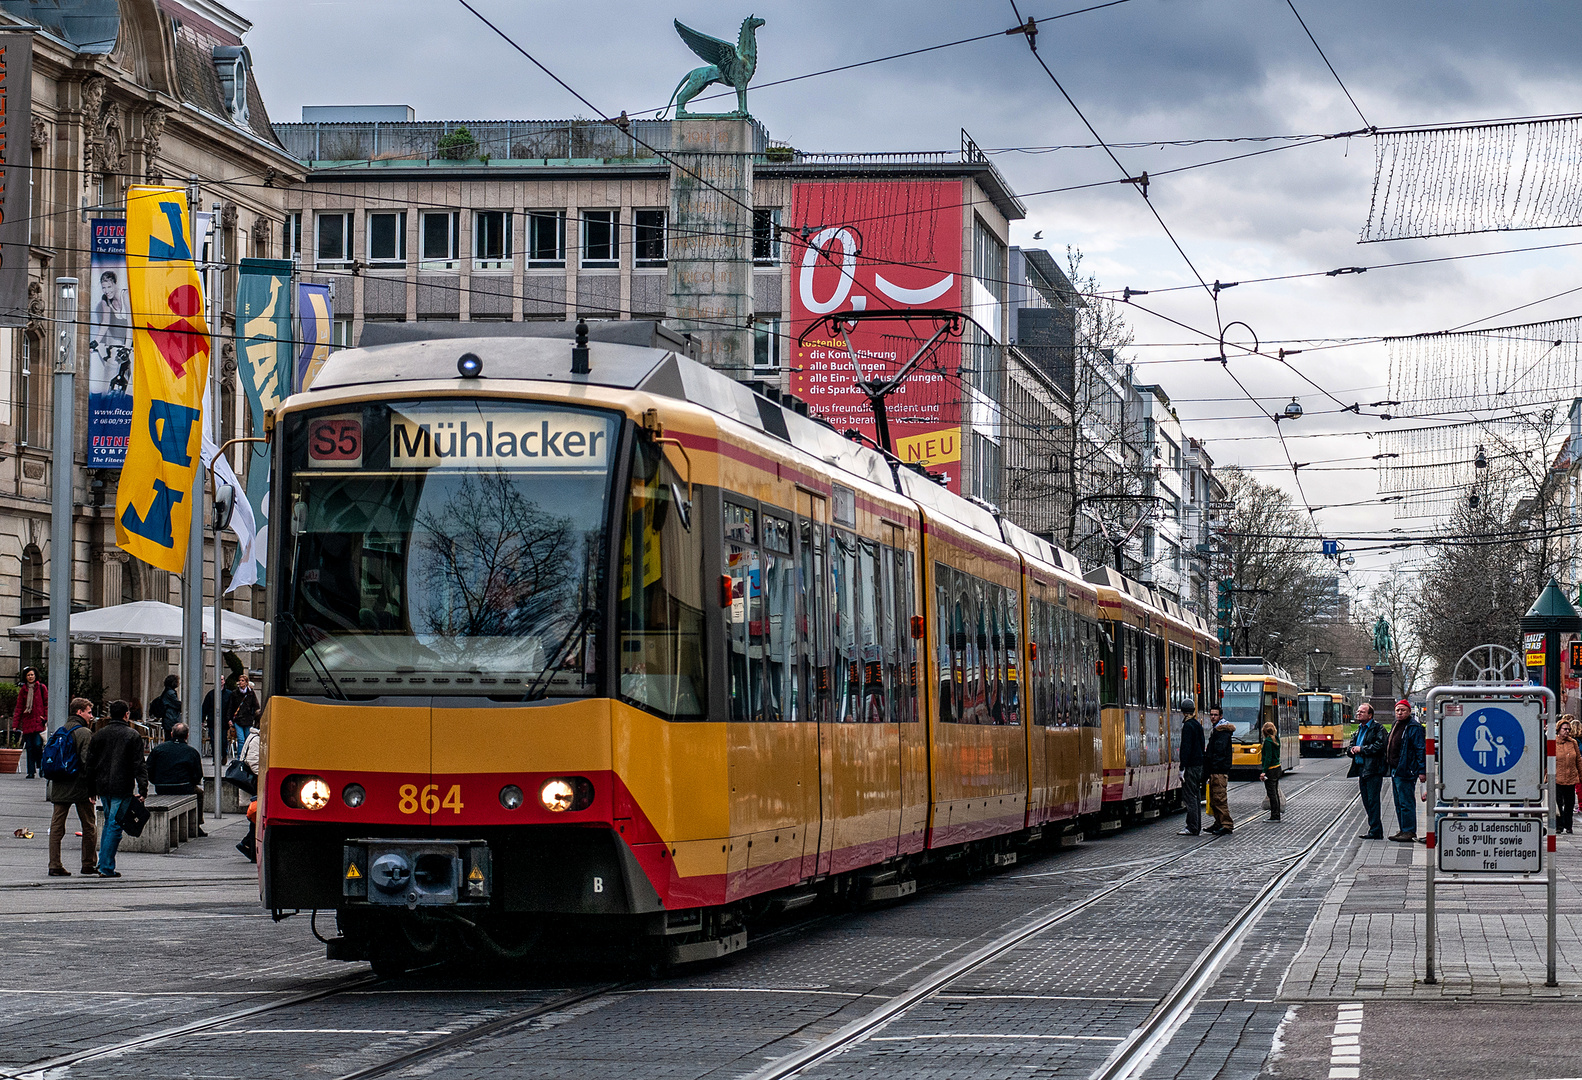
column 1143, row 70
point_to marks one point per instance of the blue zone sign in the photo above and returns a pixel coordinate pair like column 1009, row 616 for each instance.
column 1493, row 754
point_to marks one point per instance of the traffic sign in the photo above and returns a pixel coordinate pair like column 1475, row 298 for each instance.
column 1491, row 845
column 1493, row 754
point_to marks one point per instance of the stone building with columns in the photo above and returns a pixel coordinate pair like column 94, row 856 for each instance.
column 124, row 92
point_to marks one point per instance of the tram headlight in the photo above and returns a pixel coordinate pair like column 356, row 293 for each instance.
column 305, row 792
column 353, row 795
column 511, row 797
column 566, row 793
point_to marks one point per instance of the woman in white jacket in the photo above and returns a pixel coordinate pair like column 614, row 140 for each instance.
column 249, row 755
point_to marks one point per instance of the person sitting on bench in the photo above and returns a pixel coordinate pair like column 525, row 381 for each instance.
column 174, row 768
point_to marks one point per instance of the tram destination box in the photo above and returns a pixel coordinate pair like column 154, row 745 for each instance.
column 1491, row 845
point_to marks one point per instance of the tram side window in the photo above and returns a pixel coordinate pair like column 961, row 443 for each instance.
column 1010, row 660
column 906, row 684
column 846, row 672
column 975, row 641
column 746, row 613
column 1092, row 651
column 948, row 642
column 873, row 642
column 661, row 599
column 814, row 634
column 1042, row 690
column 1112, row 658
column 782, row 698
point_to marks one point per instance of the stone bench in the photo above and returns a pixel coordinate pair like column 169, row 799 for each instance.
column 172, row 820
column 233, row 800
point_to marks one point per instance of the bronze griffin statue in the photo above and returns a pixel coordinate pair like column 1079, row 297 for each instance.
column 729, row 65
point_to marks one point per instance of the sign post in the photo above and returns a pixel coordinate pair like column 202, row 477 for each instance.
column 1490, row 763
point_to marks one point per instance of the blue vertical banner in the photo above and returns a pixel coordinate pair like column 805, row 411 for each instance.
column 263, row 316
column 109, row 346
column 316, row 329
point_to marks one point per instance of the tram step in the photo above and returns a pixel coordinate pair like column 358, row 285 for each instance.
column 1004, row 858
column 1071, row 839
column 890, row 890
column 1149, row 815
column 782, row 904
column 1109, row 826
column 712, row 949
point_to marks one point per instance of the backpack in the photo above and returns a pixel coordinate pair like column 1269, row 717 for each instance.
column 60, row 755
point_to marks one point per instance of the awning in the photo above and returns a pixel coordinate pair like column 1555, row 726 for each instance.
column 148, row 623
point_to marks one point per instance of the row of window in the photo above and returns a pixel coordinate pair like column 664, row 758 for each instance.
column 976, row 647
column 439, row 238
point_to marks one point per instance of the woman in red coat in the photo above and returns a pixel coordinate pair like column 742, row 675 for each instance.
column 30, row 718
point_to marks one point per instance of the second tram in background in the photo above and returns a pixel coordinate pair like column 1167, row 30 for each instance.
column 1324, row 716
column 1258, row 691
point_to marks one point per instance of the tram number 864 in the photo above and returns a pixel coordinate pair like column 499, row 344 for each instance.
column 428, row 800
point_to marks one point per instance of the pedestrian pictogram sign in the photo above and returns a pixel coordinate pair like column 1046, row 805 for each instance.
column 1494, row 753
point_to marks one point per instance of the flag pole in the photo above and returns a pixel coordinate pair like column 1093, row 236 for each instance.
column 192, row 605
column 216, row 287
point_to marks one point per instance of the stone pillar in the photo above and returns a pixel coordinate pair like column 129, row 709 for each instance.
column 711, row 224
column 1383, row 699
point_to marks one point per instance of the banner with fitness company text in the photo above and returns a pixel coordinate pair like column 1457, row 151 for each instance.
column 109, row 345
column 875, row 245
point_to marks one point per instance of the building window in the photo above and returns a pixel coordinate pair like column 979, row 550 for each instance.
column 334, row 239
column 439, row 240
column 988, row 260
column 649, row 237
column 766, row 345
column 341, row 334
column 600, row 245
column 387, row 238
column 291, row 237
column 546, row 238
column 766, row 236
column 491, row 240
column 32, row 428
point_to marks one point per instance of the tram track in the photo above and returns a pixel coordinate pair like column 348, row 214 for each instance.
column 1137, row 1049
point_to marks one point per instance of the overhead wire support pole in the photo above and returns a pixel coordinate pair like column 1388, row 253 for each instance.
column 60, row 526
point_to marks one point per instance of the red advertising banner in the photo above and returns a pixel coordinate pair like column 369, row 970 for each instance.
column 878, row 245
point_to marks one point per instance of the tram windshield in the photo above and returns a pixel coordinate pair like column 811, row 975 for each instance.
column 1318, row 710
column 441, row 548
column 1243, row 705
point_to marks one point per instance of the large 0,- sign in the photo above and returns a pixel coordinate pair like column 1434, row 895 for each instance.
column 1492, row 752
column 880, row 245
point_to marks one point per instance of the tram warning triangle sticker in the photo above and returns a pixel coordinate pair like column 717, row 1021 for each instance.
column 352, row 873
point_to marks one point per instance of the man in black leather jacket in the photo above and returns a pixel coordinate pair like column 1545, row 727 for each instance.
column 1368, row 766
column 1191, row 761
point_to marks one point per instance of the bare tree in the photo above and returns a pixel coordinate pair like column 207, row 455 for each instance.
column 1398, row 599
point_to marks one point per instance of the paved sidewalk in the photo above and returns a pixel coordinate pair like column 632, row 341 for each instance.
column 210, row 863
column 1368, row 938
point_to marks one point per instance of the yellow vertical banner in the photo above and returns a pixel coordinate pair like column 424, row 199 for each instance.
column 170, row 371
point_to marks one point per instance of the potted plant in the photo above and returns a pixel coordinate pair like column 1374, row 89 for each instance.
column 11, row 747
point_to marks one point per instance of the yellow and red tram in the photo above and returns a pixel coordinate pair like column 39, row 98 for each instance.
column 641, row 649
column 1325, row 715
column 1258, row 692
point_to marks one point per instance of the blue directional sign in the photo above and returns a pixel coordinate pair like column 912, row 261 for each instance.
column 1331, row 548
column 1491, row 741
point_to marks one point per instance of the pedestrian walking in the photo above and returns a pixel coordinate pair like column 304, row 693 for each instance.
column 244, row 709
column 226, row 694
column 1272, row 770
column 1406, row 757
column 115, row 760
column 31, row 717
column 174, row 768
column 65, row 767
column 166, row 708
column 1191, row 761
column 1216, row 761
column 1568, row 773
column 1368, row 744
column 249, row 754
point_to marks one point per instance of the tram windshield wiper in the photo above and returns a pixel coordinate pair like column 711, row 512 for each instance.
column 579, row 628
column 315, row 662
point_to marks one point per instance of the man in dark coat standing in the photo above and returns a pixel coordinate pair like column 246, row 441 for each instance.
column 115, row 759
column 1191, row 761
column 167, row 706
column 174, row 768
column 1217, row 760
column 1408, row 766
column 69, row 791
column 1368, row 766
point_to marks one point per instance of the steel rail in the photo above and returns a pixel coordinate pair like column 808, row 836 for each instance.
column 1137, row 1051
column 39, row 1070
column 835, row 1043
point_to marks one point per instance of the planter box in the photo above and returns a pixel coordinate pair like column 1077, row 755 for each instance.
column 9, row 760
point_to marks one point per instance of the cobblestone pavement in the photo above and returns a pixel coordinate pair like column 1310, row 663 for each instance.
column 181, row 939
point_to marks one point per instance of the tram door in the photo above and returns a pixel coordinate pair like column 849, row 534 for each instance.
column 818, row 677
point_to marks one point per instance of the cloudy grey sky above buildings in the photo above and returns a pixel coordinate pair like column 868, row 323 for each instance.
column 1142, row 70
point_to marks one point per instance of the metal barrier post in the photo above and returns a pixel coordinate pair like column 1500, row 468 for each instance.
column 1550, row 827
column 1436, row 791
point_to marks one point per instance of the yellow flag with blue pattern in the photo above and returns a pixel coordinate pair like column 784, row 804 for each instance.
column 170, row 371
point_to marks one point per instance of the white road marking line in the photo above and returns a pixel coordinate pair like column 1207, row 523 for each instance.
column 1345, row 1045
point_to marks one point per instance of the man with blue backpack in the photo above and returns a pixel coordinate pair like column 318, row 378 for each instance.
column 65, row 767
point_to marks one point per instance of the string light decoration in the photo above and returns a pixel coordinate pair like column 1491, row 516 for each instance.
column 1507, row 381
column 1478, row 178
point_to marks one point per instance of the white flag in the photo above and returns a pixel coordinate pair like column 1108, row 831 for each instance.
column 242, row 523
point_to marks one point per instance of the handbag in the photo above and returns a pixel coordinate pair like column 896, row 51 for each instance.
column 134, row 815
column 239, row 774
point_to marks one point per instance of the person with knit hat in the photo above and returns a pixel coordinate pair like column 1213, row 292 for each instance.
column 1408, row 764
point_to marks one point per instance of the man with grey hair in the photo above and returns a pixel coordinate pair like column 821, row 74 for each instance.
column 174, row 768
